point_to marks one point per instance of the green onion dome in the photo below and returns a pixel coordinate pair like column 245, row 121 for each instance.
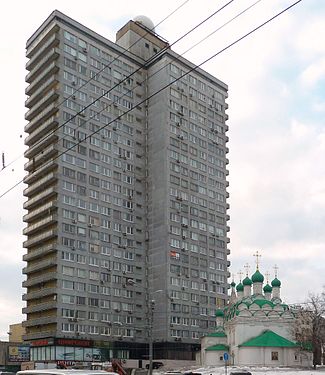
column 219, row 313
column 247, row 281
column 276, row 283
column 233, row 284
column 267, row 288
column 240, row 287
column 257, row 277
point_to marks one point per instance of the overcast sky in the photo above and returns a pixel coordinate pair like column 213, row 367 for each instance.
column 276, row 127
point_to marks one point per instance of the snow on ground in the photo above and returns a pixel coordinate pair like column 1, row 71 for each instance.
column 253, row 370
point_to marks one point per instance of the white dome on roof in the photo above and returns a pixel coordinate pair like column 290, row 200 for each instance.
column 145, row 21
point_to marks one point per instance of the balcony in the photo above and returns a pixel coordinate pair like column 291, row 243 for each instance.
column 41, row 224
column 46, row 128
column 40, row 321
column 37, row 95
column 50, row 70
column 47, row 99
column 40, row 252
column 39, row 335
column 41, row 117
column 41, row 265
column 40, row 307
column 40, row 211
column 45, row 236
column 48, row 166
column 38, row 199
column 40, row 184
column 39, row 293
column 46, row 40
column 50, row 56
column 39, row 279
column 40, row 145
column 46, row 154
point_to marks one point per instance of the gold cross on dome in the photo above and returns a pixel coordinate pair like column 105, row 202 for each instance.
column 267, row 275
column 275, row 270
column 247, row 267
column 257, row 255
column 240, row 274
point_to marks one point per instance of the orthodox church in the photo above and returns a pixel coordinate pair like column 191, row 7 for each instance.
column 254, row 329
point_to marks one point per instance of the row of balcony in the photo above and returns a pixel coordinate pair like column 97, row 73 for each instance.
column 39, row 146
column 41, row 224
column 39, row 198
column 47, row 39
column 40, row 321
column 47, row 72
column 40, row 307
column 40, row 211
column 39, row 293
column 37, row 95
column 50, row 56
column 42, row 131
column 41, row 117
column 46, row 154
column 36, row 240
column 40, row 171
column 46, row 276
column 49, row 97
column 41, row 265
column 40, row 252
column 40, row 184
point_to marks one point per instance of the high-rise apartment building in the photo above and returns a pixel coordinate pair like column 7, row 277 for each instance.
column 126, row 196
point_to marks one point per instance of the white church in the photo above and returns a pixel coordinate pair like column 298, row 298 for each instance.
column 254, row 329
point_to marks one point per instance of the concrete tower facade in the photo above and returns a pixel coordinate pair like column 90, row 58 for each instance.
column 126, row 195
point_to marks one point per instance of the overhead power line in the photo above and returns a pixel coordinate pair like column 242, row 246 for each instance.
column 146, row 63
column 177, row 79
column 101, row 70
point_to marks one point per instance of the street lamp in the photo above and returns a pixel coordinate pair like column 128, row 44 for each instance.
column 151, row 308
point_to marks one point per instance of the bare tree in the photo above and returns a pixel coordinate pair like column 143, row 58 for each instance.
column 309, row 329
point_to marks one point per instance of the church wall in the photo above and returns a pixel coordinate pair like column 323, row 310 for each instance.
column 245, row 330
column 214, row 358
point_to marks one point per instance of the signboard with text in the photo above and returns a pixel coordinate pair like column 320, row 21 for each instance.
column 18, row 353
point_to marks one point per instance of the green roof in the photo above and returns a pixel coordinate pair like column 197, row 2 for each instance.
column 219, row 313
column 262, row 302
column 276, row 283
column 257, row 277
column 247, row 281
column 216, row 334
column 240, row 287
column 218, row 347
column 267, row 288
column 270, row 339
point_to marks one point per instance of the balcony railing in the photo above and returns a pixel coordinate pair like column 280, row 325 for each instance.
column 40, row 238
column 39, row 225
column 40, row 184
column 49, row 97
column 40, row 307
column 47, row 276
column 48, row 58
column 38, row 199
column 40, row 211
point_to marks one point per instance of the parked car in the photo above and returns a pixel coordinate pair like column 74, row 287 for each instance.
column 155, row 365
column 240, row 372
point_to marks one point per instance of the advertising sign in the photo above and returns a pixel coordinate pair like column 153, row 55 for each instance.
column 18, row 353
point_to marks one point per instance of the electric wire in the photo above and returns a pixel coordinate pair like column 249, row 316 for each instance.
column 100, row 71
column 152, row 58
column 177, row 79
column 125, row 79
column 149, row 60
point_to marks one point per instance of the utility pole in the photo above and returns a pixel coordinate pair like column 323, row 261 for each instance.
column 151, row 310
